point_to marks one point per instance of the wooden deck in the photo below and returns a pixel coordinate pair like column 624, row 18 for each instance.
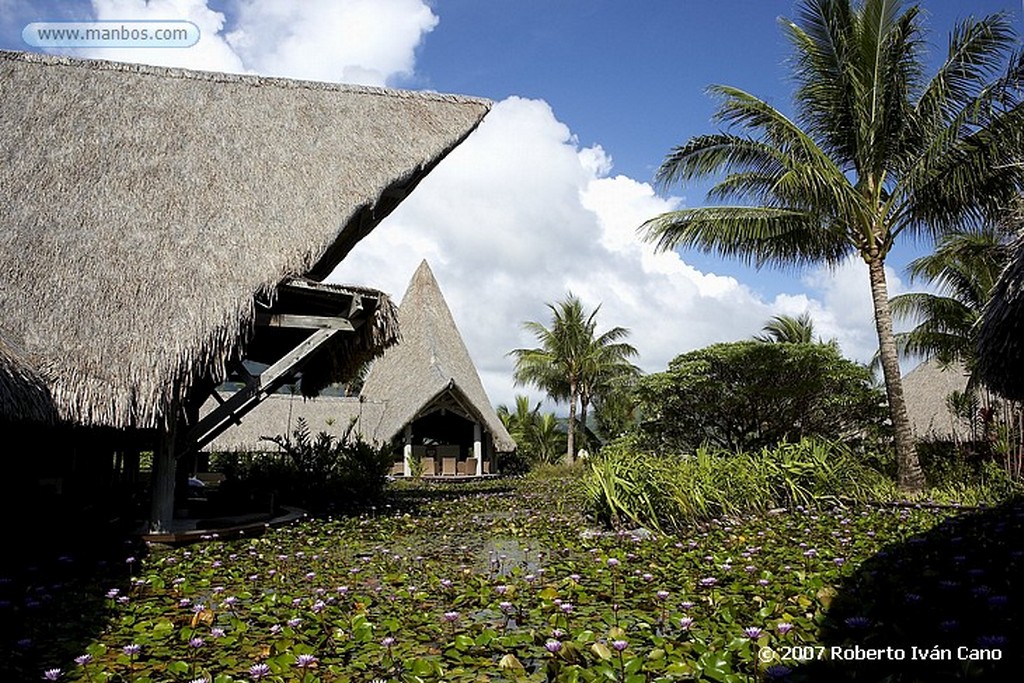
column 185, row 531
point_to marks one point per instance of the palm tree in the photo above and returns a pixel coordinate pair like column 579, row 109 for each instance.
column 965, row 267
column 785, row 329
column 573, row 363
column 875, row 151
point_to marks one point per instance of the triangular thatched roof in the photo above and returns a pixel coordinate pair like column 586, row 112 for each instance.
column 1000, row 363
column 430, row 361
column 143, row 208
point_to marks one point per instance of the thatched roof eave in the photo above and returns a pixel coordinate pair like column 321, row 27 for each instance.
column 144, row 209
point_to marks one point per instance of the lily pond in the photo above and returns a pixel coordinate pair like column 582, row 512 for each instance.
column 510, row 580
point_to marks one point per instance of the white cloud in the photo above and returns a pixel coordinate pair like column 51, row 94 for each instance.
column 211, row 53
column 517, row 216
column 845, row 311
column 351, row 41
column 370, row 42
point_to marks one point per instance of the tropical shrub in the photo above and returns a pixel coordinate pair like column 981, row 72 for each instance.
column 750, row 395
column 318, row 472
column 539, row 437
column 630, row 485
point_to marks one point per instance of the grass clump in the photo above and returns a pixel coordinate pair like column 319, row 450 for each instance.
column 628, row 485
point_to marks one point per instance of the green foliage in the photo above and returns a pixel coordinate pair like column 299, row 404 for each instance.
column 749, row 395
column 964, row 268
column 672, row 493
column 574, row 364
column 785, row 329
column 539, row 437
column 875, row 151
column 319, row 472
column 518, row 566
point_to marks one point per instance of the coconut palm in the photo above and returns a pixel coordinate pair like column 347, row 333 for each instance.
column 964, row 267
column 876, row 151
column 573, row 363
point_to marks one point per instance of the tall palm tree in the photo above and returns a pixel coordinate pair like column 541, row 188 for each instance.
column 573, row 362
column 875, row 151
column 965, row 267
column 785, row 329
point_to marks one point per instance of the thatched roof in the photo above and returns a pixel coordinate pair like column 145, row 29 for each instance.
column 279, row 414
column 1000, row 363
column 23, row 393
column 925, row 389
column 430, row 361
column 144, row 208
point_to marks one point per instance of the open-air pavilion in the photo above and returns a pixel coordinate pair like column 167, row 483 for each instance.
column 424, row 396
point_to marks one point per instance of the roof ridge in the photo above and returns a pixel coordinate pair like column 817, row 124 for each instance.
column 229, row 77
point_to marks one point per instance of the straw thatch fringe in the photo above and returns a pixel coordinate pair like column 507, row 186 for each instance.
column 23, row 393
column 1001, row 330
column 142, row 208
column 430, row 360
column 343, row 359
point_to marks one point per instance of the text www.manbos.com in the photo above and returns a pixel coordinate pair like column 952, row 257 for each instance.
column 111, row 34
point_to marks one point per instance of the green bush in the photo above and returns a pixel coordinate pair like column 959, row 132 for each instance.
column 745, row 396
column 627, row 485
column 319, row 473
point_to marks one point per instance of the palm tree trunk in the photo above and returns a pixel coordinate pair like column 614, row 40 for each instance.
column 584, row 404
column 570, row 450
column 909, row 473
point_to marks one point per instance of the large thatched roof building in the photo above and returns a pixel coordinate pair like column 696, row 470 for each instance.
column 155, row 220
column 1000, row 362
column 424, row 394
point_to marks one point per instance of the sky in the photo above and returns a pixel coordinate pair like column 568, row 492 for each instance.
column 545, row 197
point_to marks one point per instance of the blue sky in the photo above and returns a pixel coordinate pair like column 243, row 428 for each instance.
column 545, row 197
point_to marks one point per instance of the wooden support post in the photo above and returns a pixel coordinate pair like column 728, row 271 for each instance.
column 165, row 464
column 407, row 452
column 477, row 450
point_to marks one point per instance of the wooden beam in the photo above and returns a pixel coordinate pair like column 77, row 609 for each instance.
column 241, row 402
column 304, row 322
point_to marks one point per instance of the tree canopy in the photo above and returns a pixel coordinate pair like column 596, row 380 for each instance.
column 747, row 395
column 574, row 364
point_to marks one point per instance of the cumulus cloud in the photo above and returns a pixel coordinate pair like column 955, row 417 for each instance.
column 211, row 53
column 351, row 41
column 369, row 42
column 518, row 216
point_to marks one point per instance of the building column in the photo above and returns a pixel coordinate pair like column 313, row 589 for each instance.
column 477, row 451
column 407, row 452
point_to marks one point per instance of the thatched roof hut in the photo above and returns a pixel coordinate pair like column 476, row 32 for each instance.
column 1000, row 363
column 145, row 211
column 424, row 391
column 430, row 369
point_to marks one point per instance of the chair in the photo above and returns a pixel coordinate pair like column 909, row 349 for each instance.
column 471, row 467
column 448, row 467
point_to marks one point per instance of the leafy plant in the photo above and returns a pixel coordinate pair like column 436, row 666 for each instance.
column 325, row 472
column 749, row 395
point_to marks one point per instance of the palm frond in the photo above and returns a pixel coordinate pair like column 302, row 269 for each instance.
column 757, row 235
